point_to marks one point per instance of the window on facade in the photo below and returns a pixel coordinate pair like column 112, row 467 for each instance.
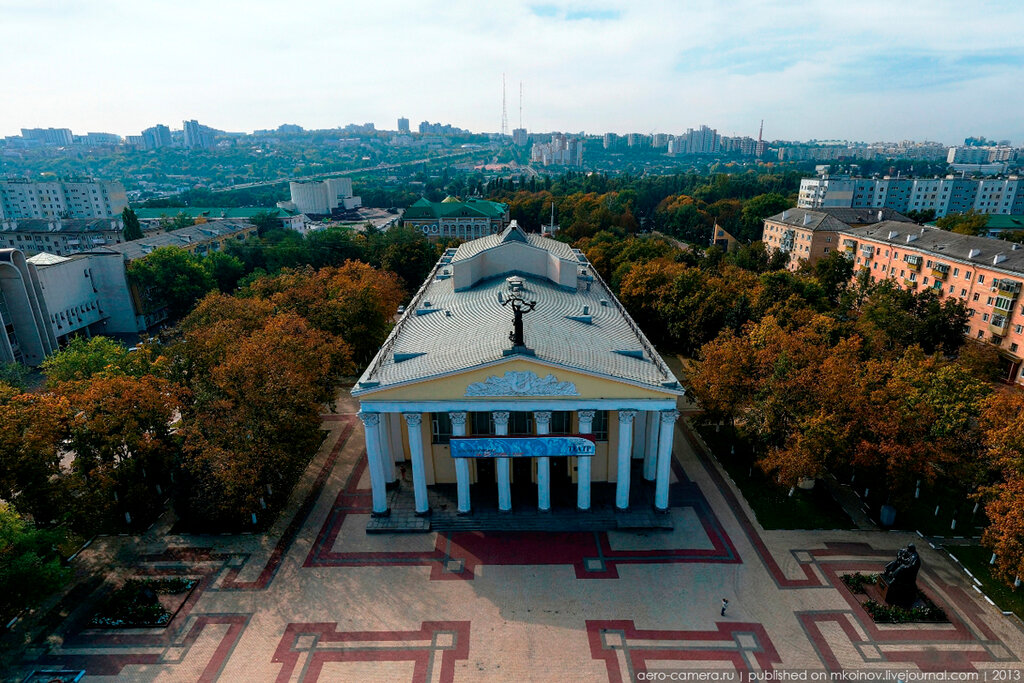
column 967, row 275
column 482, row 423
column 963, row 292
column 441, row 427
column 981, row 334
column 826, row 250
column 956, row 272
column 981, row 279
column 976, row 296
column 984, row 317
column 561, row 422
column 599, row 427
column 520, row 423
column 1019, row 329
column 1013, row 347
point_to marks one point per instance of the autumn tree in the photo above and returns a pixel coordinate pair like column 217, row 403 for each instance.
column 33, row 428
column 1002, row 423
column 225, row 270
column 83, row 358
column 123, row 447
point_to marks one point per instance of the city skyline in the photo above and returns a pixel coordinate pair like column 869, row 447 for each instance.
column 919, row 71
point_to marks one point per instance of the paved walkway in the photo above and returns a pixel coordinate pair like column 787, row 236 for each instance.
column 318, row 598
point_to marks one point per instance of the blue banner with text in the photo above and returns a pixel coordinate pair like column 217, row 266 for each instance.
column 522, row 446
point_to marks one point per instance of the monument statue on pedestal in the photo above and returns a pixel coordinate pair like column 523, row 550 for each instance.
column 519, row 306
column 899, row 580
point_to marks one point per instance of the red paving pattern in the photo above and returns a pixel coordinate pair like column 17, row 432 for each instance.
column 321, row 643
column 628, row 651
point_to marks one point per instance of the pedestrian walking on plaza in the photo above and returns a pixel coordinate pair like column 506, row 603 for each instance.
column 725, row 603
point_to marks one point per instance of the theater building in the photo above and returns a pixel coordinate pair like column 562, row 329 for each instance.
column 515, row 369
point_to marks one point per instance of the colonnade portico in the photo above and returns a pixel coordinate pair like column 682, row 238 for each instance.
column 655, row 450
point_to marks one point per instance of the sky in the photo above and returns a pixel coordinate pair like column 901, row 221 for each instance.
column 866, row 70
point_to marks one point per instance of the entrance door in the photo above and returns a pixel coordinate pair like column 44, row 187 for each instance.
column 563, row 493
column 485, row 472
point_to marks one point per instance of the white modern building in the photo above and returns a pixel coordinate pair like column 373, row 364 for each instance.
column 524, row 408
column 61, row 198
column 321, row 197
column 25, row 334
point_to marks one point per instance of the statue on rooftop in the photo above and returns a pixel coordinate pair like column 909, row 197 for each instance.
column 519, row 306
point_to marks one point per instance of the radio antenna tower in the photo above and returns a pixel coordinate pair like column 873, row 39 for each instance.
column 520, row 104
column 504, row 109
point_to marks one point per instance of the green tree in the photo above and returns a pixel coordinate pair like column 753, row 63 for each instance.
column 132, row 227
column 225, row 270
column 170, row 277
column 756, row 209
column 83, row 358
column 30, row 569
column 265, row 221
column 14, row 375
column 970, row 223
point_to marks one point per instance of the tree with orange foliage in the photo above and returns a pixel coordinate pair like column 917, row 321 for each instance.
column 32, row 430
column 1002, row 422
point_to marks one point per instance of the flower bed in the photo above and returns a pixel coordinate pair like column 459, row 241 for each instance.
column 924, row 610
column 143, row 603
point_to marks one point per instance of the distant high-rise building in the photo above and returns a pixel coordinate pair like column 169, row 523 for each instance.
column 72, row 198
column 520, row 137
column 49, row 136
column 403, row 125
column 197, row 136
column 561, row 151
column 156, row 137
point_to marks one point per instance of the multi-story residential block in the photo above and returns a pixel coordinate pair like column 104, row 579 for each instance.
column 561, row 151
column 65, row 198
column 520, row 138
column 196, row 135
column 986, row 274
column 151, row 219
column 49, row 136
column 941, row 195
column 61, row 236
column 156, row 137
column 467, row 219
column 808, row 235
column 403, row 125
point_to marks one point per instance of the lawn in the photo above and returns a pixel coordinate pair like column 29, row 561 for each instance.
column 976, row 558
column 771, row 503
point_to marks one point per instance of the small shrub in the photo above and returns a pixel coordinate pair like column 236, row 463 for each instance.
column 924, row 610
column 857, row 583
column 136, row 603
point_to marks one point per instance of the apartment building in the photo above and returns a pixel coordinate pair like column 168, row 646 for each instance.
column 61, row 198
column 808, row 235
column 61, row 236
column 941, row 195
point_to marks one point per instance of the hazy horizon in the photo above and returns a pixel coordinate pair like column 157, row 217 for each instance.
column 873, row 71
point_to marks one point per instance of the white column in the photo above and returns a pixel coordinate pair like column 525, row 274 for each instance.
column 387, row 460
column 419, row 477
column 373, row 457
column 586, row 418
column 653, row 424
column 461, row 464
column 543, row 420
column 503, row 466
column 668, row 424
column 625, row 458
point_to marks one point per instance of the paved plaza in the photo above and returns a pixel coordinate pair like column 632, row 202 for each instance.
column 319, row 599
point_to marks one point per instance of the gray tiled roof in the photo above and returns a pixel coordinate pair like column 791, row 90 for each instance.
column 853, row 216
column 808, row 219
column 183, row 237
column 946, row 244
column 474, row 247
column 469, row 328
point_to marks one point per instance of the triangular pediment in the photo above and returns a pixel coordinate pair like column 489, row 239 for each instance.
column 518, row 377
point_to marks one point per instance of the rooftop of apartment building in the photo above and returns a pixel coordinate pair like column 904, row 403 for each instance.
column 982, row 251
column 183, row 237
column 835, row 219
column 58, row 225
